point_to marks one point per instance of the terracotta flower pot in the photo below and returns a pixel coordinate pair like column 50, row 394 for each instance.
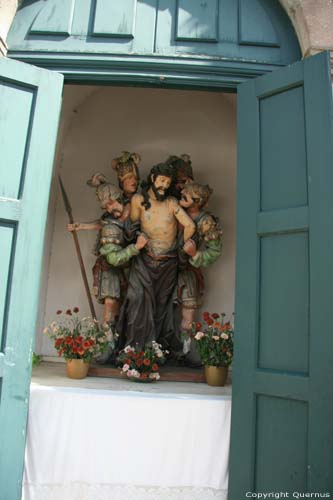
column 216, row 375
column 76, row 368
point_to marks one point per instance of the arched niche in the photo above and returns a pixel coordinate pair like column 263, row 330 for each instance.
column 197, row 43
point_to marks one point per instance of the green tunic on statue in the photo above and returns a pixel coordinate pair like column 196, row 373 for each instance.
column 113, row 257
column 116, row 255
column 190, row 279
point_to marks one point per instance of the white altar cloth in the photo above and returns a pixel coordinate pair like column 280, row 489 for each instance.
column 93, row 444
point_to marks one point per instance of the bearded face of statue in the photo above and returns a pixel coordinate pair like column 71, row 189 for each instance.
column 160, row 186
column 189, row 200
column 186, row 200
column 114, row 208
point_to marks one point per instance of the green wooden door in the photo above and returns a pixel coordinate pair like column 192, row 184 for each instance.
column 30, row 100
column 282, row 413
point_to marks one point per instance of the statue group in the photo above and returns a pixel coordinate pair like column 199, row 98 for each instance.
column 153, row 240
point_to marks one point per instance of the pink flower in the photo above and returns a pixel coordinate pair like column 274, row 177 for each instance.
column 125, row 368
column 199, row 335
column 224, row 336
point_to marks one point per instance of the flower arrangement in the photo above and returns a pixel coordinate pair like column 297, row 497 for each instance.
column 215, row 340
column 142, row 365
column 76, row 338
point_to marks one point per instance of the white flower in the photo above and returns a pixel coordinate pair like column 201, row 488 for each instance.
column 155, row 375
column 160, row 354
column 125, row 368
column 225, row 336
column 135, row 374
column 46, row 330
column 216, row 337
column 128, row 348
column 199, row 335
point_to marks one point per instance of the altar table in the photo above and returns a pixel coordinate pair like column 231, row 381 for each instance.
column 129, row 441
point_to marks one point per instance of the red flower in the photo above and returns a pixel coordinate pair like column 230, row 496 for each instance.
column 80, row 351
column 60, row 352
column 68, row 341
column 138, row 362
column 198, row 325
column 209, row 321
column 215, row 315
column 58, row 343
column 91, row 342
column 225, row 327
column 146, row 362
column 76, row 309
column 69, row 312
column 216, row 324
column 59, row 311
column 155, row 367
column 86, row 344
column 205, row 315
column 74, row 349
column 143, row 376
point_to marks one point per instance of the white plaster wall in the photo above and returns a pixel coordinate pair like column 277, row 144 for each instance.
column 7, row 12
column 102, row 122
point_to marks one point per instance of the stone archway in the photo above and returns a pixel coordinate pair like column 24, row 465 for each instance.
column 312, row 21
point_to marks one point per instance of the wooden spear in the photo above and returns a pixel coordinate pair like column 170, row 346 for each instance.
column 68, row 209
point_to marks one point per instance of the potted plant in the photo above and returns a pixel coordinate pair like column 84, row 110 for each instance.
column 215, row 342
column 78, row 341
column 142, row 365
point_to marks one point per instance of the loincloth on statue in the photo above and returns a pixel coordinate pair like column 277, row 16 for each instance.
column 147, row 313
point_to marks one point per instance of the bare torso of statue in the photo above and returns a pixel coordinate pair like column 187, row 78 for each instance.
column 159, row 222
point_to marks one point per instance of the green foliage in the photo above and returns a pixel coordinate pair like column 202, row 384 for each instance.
column 36, row 359
column 215, row 340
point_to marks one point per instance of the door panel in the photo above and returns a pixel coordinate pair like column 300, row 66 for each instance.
column 30, row 100
column 282, row 415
